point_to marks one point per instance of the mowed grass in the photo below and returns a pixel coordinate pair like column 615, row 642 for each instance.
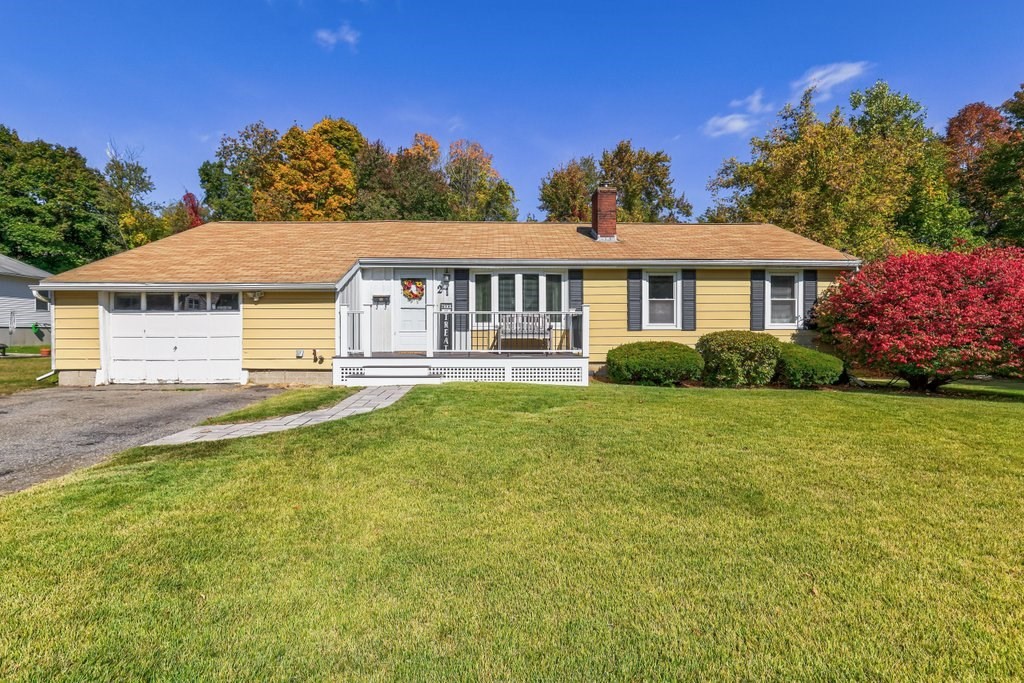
column 288, row 402
column 1008, row 389
column 539, row 533
column 17, row 374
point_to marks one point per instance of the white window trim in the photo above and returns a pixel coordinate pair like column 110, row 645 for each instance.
column 677, row 290
column 798, row 292
column 542, row 284
column 144, row 301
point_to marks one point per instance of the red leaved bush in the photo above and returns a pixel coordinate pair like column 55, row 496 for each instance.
column 932, row 318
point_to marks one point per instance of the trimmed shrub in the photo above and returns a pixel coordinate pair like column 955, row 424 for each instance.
column 735, row 358
column 654, row 363
column 803, row 368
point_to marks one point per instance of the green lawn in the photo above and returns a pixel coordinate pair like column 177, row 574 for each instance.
column 540, row 533
column 23, row 349
column 286, row 403
column 17, row 374
column 1010, row 389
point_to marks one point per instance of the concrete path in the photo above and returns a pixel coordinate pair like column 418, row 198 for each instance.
column 366, row 400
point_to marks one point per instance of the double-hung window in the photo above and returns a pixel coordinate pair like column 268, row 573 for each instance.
column 782, row 294
column 517, row 292
column 661, row 300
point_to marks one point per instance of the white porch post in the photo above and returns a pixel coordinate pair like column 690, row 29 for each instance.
column 430, row 330
column 585, row 331
column 341, row 340
column 364, row 329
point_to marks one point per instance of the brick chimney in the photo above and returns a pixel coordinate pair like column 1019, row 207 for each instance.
column 602, row 213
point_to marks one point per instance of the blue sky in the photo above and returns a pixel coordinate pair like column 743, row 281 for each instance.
column 537, row 83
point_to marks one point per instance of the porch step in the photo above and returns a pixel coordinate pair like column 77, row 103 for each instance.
column 397, row 370
column 378, row 380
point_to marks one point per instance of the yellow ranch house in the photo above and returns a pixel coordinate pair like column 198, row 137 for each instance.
column 402, row 302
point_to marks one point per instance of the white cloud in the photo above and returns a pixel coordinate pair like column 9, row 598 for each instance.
column 730, row 124
column 825, row 78
column 754, row 103
column 455, row 123
column 345, row 34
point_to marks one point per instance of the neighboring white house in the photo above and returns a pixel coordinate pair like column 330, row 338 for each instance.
column 19, row 308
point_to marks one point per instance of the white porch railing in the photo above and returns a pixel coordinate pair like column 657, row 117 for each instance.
column 506, row 332
column 477, row 333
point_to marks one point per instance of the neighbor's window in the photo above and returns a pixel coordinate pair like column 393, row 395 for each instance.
column 159, row 301
column 192, row 301
column 42, row 305
column 661, row 300
column 782, row 298
column 224, row 301
column 128, row 301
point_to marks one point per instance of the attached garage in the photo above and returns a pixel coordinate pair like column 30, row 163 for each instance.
column 157, row 337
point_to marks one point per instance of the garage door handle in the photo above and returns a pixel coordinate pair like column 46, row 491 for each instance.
column 175, row 348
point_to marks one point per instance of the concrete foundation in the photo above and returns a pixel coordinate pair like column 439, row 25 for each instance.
column 76, row 378
column 311, row 377
column 24, row 336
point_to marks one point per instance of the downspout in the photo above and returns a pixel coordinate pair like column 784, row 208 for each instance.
column 53, row 358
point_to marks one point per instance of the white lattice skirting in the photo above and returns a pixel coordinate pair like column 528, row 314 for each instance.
column 531, row 370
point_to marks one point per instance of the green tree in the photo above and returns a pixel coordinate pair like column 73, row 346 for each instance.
column 128, row 184
column 243, row 165
column 477, row 191
column 1002, row 171
column 566, row 191
column 871, row 184
column 644, row 183
column 52, row 205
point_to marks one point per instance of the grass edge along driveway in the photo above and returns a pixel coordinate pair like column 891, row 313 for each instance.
column 529, row 532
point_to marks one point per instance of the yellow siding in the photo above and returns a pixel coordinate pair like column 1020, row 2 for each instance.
column 723, row 303
column 282, row 322
column 76, row 335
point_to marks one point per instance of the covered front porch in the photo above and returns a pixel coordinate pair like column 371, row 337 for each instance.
column 443, row 345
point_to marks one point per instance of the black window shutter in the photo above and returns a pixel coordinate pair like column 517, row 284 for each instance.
column 575, row 290
column 461, row 298
column 757, row 299
column 689, row 306
column 634, row 300
column 810, row 292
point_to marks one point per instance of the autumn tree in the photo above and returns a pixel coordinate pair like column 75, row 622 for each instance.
column 871, row 184
column 53, row 209
column 308, row 183
column 565, row 192
column 477, row 192
column 243, row 165
column 931, row 318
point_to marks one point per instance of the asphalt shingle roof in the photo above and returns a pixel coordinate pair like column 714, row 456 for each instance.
column 286, row 253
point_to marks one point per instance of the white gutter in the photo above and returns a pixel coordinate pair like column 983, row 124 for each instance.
column 169, row 286
column 617, row 263
column 53, row 358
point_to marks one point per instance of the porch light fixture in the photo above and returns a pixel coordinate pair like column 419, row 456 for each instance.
column 446, row 278
column 255, row 296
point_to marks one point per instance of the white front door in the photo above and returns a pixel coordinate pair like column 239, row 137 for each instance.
column 412, row 294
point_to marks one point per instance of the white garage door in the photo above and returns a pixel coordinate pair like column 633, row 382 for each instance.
column 191, row 346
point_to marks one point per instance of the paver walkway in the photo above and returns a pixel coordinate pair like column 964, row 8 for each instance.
column 366, row 400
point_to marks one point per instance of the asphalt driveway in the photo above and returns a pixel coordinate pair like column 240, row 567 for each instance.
column 45, row 433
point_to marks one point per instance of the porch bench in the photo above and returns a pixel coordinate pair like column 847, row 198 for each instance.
column 513, row 327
